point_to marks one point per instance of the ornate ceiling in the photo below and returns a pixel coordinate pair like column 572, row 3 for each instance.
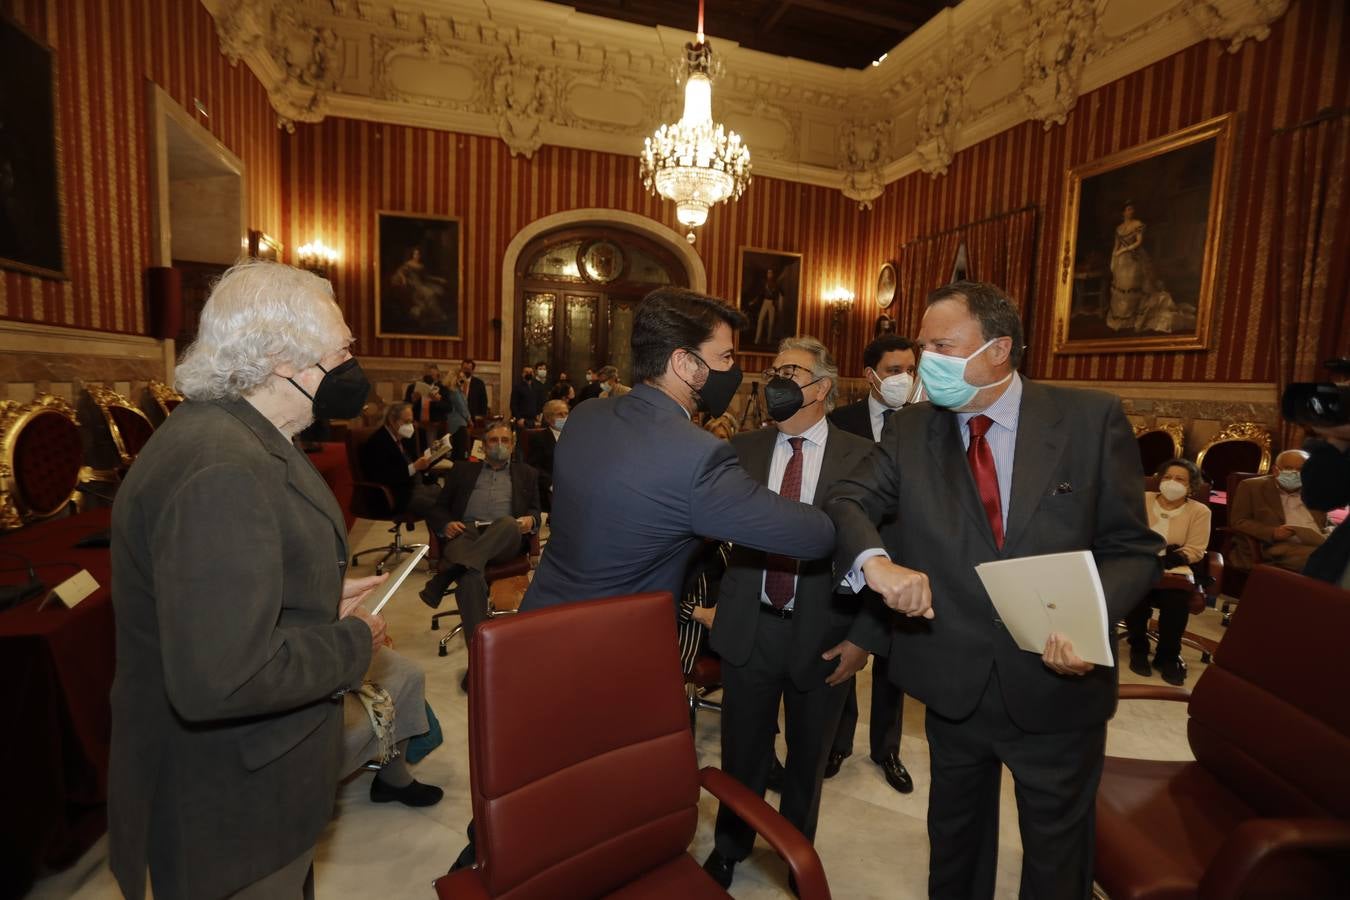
column 533, row 73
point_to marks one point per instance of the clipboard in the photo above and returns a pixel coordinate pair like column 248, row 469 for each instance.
column 399, row 575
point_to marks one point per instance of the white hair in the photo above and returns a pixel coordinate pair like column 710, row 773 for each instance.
column 823, row 365
column 259, row 315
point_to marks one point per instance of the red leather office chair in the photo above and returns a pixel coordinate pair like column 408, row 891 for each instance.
column 1264, row 810
column 582, row 766
column 703, row 678
column 1202, row 592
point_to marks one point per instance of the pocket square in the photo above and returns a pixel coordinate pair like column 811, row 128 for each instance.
column 1063, row 488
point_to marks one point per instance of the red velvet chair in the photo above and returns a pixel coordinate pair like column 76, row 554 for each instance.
column 40, row 460
column 582, row 766
column 1264, row 810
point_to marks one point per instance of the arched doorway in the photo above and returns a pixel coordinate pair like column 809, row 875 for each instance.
column 576, row 289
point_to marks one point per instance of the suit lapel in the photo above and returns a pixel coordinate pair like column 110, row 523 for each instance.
column 944, row 443
column 833, row 466
column 1040, row 442
column 759, row 453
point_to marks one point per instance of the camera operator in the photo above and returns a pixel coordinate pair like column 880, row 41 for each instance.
column 1324, row 409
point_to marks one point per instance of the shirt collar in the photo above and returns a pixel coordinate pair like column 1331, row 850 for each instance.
column 815, row 435
column 1006, row 409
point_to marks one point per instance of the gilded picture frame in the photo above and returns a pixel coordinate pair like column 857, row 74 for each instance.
column 1141, row 236
column 768, row 284
column 418, row 276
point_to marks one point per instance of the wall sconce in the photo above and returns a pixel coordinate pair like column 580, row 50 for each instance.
column 316, row 257
column 840, row 301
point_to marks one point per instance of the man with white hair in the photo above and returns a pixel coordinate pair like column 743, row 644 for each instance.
column 1271, row 510
column 783, row 634
column 237, row 635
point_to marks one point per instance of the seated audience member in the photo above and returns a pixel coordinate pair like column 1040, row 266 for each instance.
column 541, row 447
column 564, row 391
column 1184, row 524
column 610, row 386
column 591, row 389
column 1270, row 508
column 482, row 514
column 389, row 457
column 432, row 391
column 377, row 723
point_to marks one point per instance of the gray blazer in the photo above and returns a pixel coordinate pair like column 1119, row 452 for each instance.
column 821, row 618
column 228, row 552
column 1075, row 486
column 636, row 488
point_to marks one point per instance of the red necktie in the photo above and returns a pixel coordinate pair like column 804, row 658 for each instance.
column 780, row 572
column 981, row 460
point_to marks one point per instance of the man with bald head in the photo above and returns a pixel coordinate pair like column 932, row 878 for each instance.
column 1271, row 509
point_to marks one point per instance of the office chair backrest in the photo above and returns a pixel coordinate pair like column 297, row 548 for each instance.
column 1270, row 718
column 583, row 771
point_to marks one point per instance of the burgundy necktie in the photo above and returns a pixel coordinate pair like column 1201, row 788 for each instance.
column 780, row 572
column 981, row 460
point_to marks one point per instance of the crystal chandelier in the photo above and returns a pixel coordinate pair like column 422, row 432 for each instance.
column 695, row 161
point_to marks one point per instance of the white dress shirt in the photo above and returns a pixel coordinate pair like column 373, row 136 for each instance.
column 813, row 454
column 1295, row 513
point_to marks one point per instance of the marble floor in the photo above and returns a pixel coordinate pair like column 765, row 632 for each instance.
column 871, row 839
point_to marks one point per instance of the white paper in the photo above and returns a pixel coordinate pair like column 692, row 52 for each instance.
column 74, row 589
column 398, row 576
column 1062, row 592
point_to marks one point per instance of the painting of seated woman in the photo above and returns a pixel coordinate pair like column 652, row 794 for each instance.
column 418, row 286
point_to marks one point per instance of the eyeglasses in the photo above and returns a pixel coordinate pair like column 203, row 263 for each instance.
column 790, row 371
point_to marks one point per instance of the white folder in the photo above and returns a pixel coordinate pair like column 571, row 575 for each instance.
column 1062, row 592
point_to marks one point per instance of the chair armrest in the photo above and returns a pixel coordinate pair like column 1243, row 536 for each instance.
column 461, row 884
column 1256, row 840
column 1154, row 692
column 790, row 843
column 370, row 490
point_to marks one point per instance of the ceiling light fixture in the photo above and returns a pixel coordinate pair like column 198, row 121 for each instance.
column 696, row 162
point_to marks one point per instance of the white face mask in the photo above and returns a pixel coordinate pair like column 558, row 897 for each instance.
column 1173, row 490
column 406, row 430
column 895, row 389
column 541, row 374
column 604, row 387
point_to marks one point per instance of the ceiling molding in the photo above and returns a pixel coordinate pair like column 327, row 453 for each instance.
column 536, row 73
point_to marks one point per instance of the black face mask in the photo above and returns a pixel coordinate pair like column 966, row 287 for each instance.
column 783, row 398
column 342, row 392
column 715, row 395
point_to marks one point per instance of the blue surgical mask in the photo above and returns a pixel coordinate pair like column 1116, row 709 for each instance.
column 944, row 378
column 559, row 423
column 1290, row 480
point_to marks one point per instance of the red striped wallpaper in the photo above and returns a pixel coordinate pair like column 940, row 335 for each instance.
column 104, row 53
column 339, row 173
column 1304, row 66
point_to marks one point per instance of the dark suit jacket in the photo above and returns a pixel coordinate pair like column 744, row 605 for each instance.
column 439, row 408
column 459, row 485
column 477, row 397
column 1075, row 487
column 855, row 418
column 541, row 457
column 384, row 463
column 821, row 618
column 524, row 401
column 228, row 552
column 664, row 486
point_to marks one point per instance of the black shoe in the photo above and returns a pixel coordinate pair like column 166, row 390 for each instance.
column 464, row 682
column 792, row 884
column 720, row 868
column 776, row 775
column 897, row 776
column 833, row 763
column 432, row 592
column 1173, row 671
column 415, row 794
column 1139, row 661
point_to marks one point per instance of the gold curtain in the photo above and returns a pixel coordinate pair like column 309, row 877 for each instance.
column 1309, row 236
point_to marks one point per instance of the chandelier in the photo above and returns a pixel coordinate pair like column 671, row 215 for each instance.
column 695, row 161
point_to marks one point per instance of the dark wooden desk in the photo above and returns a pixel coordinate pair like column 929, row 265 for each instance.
column 57, row 667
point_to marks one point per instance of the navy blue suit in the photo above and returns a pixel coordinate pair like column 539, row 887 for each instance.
column 637, row 486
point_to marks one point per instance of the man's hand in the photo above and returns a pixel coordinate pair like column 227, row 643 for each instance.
column 1059, row 656
column 420, row 464
column 525, row 524
column 454, row 530
column 903, row 590
column 1282, row 533
column 356, row 590
column 851, row 658
column 704, row 615
column 377, row 628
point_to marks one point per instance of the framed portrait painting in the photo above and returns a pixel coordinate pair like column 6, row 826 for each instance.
column 30, row 186
column 1142, row 235
column 770, row 291
column 417, row 286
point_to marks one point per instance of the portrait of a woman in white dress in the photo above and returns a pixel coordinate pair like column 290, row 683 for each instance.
column 1131, row 272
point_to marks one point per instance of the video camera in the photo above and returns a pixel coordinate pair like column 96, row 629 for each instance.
column 1315, row 404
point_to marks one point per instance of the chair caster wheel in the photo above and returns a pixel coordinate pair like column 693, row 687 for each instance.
column 442, row 651
column 1227, row 620
column 1207, row 657
column 379, row 569
column 435, row 625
